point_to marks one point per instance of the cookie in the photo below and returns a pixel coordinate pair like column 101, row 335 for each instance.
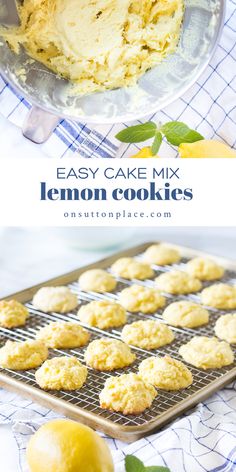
column 130, row 268
column 61, row 373
column 177, row 282
column 23, row 355
column 138, row 298
column 147, row 334
column 185, row 314
column 97, row 280
column 161, row 254
column 165, row 373
column 207, row 353
column 222, row 296
column 12, row 314
column 225, row 328
column 59, row 299
column 63, row 335
column 103, row 314
column 108, row 354
column 127, row 394
column 204, row 269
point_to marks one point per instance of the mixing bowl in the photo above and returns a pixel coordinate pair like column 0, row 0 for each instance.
column 160, row 86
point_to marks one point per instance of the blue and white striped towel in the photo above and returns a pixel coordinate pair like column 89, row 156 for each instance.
column 209, row 106
column 203, row 441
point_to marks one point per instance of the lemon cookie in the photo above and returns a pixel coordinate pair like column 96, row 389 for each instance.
column 108, row 354
column 186, row 314
column 59, row 299
column 63, row 335
column 103, row 314
column 130, row 268
column 61, row 373
column 12, row 314
column 97, row 280
column 165, row 373
column 207, row 353
column 222, row 296
column 161, row 254
column 23, row 355
column 225, row 328
column 138, row 298
column 148, row 334
column 204, row 269
column 127, row 394
column 177, row 282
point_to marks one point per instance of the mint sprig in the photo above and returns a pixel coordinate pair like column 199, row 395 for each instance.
column 133, row 464
column 177, row 133
column 138, row 133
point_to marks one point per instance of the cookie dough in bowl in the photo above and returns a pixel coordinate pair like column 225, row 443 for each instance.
column 147, row 334
column 177, row 282
column 23, row 355
column 61, row 373
column 97, row 280
column 63, row 335
column 138, row 298
column 130, row 268
column 59, row 299
column 205, row 269
column 12, row 314
column 165, row 373
column 185, row 314
column 103, row 314
column 225, row 328
column 161, row 254
column 127, row 394
column 207, row 353
column 108, row 354
column 222, row 296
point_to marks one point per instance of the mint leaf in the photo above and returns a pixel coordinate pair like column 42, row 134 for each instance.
column 138, row 133
column 156, row 143
column 177, row 133
column 156, row 468
column 133, row 464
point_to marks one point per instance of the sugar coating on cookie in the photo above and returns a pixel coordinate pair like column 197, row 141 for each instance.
column 225, row 328
column 108, row 354
column 97, row 280
column 204, row 269
column 185, row 314
column 165, row 373
column 127, row 394
column 12, row 314
column 63, row 335
column 138, row 298
column 147, row 334
column 59, row 299
column 161, row 254
column 103, row 314
column 177, row 282
column 222, row 296
column 130, row 268
column 61, row 373
column 23, row 355
column 207, row 353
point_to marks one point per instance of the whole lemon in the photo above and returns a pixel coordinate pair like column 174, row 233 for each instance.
column 67, row 446
column 206, row 148
column 143, row 153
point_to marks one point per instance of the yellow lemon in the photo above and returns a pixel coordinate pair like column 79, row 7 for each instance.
column 67, row 446
column 144, row 152
column 206, row 148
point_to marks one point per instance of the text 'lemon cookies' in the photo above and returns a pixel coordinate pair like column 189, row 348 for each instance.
column 61, row 373
column 59, row 299
column 127, row 394
column 165, row 373
column 139, row 298
column 130, row 268
column 204, row 269
column 177, row 282
column 63, row 335
column 161, row 254
column 108, row 354
column 12, row 314
column 97, row 280
column 23, row 355
column 207, row 353
column 186, row 314
column 225, row 328
column 147, row 334
column 103, row 314
column 222, row 296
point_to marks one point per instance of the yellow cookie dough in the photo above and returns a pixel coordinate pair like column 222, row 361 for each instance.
column 186, row 314
column 127, row 394
column 103, row 314
column 222, row 296
column 207, row 353
column 63, row 335
column 59, row 299
column 204, row 269
column 12, row 314
column 61, row 373
column 98, row 44
column 161, row 254
column 97, row 280
column 23, row 355
column 177, row 282
column 130, row 268
column 138, row 298
column 108, row 354
column 165, row 373
column 225, row 328
column 148, row 334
